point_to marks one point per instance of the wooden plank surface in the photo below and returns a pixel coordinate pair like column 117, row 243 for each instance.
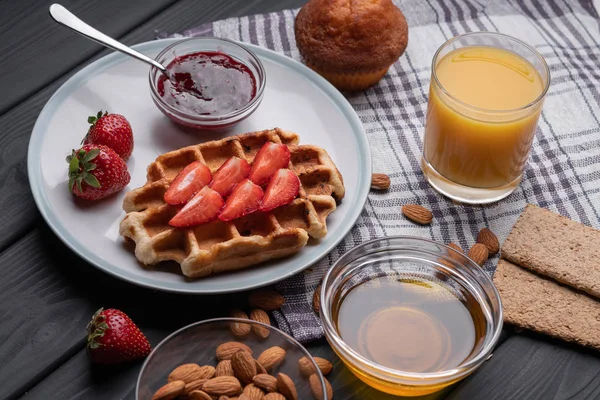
column 529, row 366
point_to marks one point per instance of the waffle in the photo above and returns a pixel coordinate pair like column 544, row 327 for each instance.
column 224, row 246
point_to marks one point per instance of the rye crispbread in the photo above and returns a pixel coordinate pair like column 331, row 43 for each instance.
column 542, row 305
column 557, row 247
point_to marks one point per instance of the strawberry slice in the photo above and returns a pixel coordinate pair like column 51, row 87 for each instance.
column 243, row 200
column 270, row 158
column 229, row 174
column 203, row 207
column 187, row 183
column 283, row 188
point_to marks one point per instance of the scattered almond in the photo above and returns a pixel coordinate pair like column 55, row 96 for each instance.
column 274, row 396
column 186, row 373
column 243, row 366
column 207, row 372
column 261, row 316
column 169, row 391
column 193, row 385
column 223, row 386
column 271, row 357
column 224, row 368
column 239, row 329
column 487, row 237
column 317, row 389
column 286, row 386
column 226, row 350
column 307, row 369
column 266, row 382
column 199, row 395
column 253, row 392
column 479, row 253
column 259, row 368
column 316, row 304
column 417, row 213
column 380, row 181
column 266, row 299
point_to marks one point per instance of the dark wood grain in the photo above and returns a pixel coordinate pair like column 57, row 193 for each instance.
column 36, row 50
column 529, row 366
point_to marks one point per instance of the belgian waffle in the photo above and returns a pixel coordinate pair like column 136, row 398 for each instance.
column 222, row 246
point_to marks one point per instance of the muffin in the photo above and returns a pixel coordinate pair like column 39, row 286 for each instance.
column 351, row 43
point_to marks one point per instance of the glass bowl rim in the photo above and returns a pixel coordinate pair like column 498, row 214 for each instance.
column 289, row 338
column 261, row 79
column 420, row 378
column 485, row 110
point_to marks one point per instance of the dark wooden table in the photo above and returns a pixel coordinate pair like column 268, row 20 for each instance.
column 47, row 294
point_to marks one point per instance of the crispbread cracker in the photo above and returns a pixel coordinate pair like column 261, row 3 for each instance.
column 533, row 302
column 557, row 247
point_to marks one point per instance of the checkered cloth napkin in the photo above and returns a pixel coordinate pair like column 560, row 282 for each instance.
column 563, row 173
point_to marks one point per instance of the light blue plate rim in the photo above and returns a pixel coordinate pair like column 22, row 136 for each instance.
column 34, row 170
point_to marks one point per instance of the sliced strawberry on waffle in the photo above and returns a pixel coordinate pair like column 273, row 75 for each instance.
column 283, row 188
column 243, row 200
column 270, row 158
column 187, row 183
column 229, row 174
column 203, row 207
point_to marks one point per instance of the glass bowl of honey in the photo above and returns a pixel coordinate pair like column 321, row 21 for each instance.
column 409, row 316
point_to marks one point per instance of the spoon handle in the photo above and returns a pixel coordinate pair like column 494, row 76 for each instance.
column 68, row 19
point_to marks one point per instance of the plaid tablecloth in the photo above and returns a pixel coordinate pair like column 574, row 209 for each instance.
column 563, row 173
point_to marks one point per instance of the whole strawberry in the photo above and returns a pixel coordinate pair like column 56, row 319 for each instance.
column 112, row 130
column 96, row 171
column 113, row 338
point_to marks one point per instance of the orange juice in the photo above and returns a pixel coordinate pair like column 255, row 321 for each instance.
column 482, row 115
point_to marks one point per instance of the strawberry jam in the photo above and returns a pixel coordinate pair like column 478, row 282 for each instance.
column 207, row 83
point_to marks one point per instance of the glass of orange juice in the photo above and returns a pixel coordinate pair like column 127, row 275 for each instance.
column 485, row 98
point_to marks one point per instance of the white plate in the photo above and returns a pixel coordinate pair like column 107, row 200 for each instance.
column 295, row 99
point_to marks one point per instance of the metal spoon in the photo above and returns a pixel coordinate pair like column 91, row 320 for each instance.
column 68, row 19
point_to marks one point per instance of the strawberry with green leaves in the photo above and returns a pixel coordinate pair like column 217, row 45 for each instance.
column 113, row 338
column 112, row 130
column 96, row 171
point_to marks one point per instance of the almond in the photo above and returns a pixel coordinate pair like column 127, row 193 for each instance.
column 317, row 389
column 228, row 398
column 253, row 392
column 260, row 316
column 243, row 397
column 417, row 213
column 243, row 366
column 186, row 372
column 286, row 387
column 199, row 395
column 380, row 181
column 307, row 369
column 223, row 386
column 487, row 238
column 268, row 300
column 266, row 382
column 207, row 372
column 455, row 247
column 259, row 368
column 224, row 368
column 479, row 253
column 316, row 302
column 271, row 357
column 226, row 350
column 239, row 329
column 274, row 396
column 193, row 385
column 169, row 391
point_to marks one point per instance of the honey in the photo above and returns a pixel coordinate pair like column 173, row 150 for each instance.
column 410, row 324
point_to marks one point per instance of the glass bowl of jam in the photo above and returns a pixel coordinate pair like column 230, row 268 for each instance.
column 213, row 83
column 409, row 316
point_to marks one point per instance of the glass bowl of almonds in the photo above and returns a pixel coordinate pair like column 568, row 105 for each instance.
column 231, row 358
